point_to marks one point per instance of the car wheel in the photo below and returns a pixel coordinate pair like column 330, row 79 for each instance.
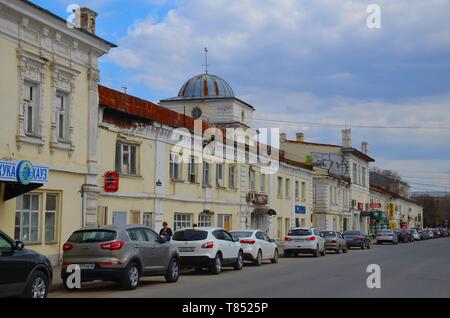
column 173, row 272
column 338, row 250
column 274, row 260
column 258, row 260
column 316, row 252
column 216, row 266
column 324, row 251
column 37, row 287
column 240, row 262
column 131, row 277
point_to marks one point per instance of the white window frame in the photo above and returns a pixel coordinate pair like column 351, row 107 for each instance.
column 205, row 220
column 148, row 219
column 119, row 162
column 206, row 175
column 62, row 109
column 232, row 176
column 192, row 170
column 303, row 191
column 220, row 175
column 182, row 220
column 175, row 167
column 221, row 220
column 20, row 236
column 55, row 217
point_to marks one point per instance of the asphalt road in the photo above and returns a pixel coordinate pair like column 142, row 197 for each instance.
column 420, row 269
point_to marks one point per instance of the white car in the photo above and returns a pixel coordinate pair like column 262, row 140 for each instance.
column 209, row 248
column 304, row 240
column 257, row 246
column 415, row 234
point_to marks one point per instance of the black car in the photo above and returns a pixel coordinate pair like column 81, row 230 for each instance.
column 23, row 272
column 357, row 239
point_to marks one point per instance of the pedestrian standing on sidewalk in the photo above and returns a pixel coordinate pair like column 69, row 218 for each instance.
column 166, row 231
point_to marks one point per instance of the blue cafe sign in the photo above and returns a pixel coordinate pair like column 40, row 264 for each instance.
column 23, row 172
column 300, row 209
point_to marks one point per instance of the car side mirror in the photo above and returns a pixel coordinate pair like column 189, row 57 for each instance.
column 19, row 246
column 162, row 239
column 272, row 241
column 235, row 239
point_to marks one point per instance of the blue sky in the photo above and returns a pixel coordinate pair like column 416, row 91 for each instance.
column 300, row 61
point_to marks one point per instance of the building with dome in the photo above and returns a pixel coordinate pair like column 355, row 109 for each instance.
column 211, row 98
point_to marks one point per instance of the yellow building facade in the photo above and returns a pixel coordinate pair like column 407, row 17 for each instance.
column 48, row 89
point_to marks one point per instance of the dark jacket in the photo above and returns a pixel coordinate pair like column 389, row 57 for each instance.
column 167, row 233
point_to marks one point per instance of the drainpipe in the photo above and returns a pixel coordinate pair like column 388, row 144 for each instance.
column 83, row 205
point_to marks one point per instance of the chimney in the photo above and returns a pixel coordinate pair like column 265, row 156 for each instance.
column 86, row 19
column 347, row 138
column 365, row 147
column 300, row 137
column 283, row 137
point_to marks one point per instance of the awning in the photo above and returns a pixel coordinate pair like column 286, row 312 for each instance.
column 264, row 210
column 14, row 189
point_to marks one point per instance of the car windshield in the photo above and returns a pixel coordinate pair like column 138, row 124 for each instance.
column 190, row 235
column 242, row 234
column 299, row 232
column 92, row 236
column 350, row 233
column 328, row 233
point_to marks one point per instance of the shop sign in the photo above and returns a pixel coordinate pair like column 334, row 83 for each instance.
column 300, row 209
column 260, row 199
column 375, row 206
column 111, row 182
column 23, row 172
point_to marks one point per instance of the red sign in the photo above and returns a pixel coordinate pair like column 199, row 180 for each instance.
column 376, row 206
column 360, row 206
column 111, row 181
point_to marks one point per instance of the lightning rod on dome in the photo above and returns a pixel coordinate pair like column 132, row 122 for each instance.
column 206, row 60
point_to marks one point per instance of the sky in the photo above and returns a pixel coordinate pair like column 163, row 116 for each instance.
column 297, row 62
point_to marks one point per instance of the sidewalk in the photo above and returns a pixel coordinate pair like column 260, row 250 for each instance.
column 57, row 281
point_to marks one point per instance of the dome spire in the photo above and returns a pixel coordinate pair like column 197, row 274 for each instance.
column 206, row 60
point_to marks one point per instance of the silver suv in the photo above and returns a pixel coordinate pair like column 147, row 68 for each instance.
column 122, row 254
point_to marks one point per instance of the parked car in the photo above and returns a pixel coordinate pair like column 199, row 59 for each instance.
column 430, row 233
column 415, row 234
column 423, row 234
column 357, row 239
column 444, row 232
column 386, row 236
column 403, row 235
column 120, row 253
column 304, row 240
column 23, row 272
column 210, row 248
column 335, row 241
column 257, row 246
column 436, row 233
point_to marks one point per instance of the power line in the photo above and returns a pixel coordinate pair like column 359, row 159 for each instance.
column 430, row 185
column 313, row 124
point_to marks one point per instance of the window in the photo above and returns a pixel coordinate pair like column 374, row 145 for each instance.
column 355, row 174
column 364, row 176
column 175, row 167
column 182, row 221
column 205, row 220
column 288, row 188
column 126, row 159
column 31, row 104
column 50, row 217
column 251, row 177
column 224, row 221
column 303, row 191
column 119, row 218
column 331, row 195
column 147, row 219
column 135, row 217
column 62, row 116
column 102, row 215
column 297, row 190
column 192, row 170
column 137, row 235
column 5, row 245
column 262, row 182
column 280, row 187
column 206, row 173
column 219, row 175
column 27, row 218
column 232, row 177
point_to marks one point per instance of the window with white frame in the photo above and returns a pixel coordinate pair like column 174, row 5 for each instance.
column 363, row 175
column 303, row 197
column 51, row 203
column 262, row 182
column 62, row 116
column 175, row 167
column 232, row 177
column 27, row 218
column 288, row 188
column 224, row 221
column 31, row 107
column 219, row 175
column 251, row 177
column 280, row 187
column 205, row 220
column 126, row 158
column 182, row 221
column 147, row 219
column 206, row 173
column 297, row 190
column 192, row 170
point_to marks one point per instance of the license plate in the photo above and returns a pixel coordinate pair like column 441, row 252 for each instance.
column 86, row 266
column 186, row 249
column 299, row 240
